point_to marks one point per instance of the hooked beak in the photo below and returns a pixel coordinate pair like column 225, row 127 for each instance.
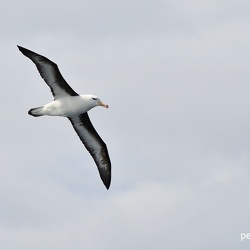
column 100, row 103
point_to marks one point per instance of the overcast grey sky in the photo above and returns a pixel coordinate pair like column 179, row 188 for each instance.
column 176, row 76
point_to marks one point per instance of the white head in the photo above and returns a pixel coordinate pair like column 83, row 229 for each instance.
column 94, row 101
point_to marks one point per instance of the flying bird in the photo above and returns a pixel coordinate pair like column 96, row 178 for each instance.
column 68, row 103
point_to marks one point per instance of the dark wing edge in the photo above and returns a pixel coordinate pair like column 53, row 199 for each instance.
column 50, row 73
column 94, row 144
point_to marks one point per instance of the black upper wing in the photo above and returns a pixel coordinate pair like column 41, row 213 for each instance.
column 94, row 144
column 50, row 73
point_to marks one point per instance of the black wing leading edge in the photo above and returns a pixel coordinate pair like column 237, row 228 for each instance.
column 50, row 73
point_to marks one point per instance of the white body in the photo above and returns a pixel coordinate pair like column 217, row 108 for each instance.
column 69, row 106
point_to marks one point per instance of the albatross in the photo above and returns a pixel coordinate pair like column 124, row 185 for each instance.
column 67, row 103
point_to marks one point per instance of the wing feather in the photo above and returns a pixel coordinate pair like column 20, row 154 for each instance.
column 94, row 144
column 50, row 73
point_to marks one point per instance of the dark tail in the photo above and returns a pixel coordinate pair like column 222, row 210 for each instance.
column 36, row 111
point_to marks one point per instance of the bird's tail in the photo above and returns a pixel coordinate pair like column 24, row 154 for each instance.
column 36, row 111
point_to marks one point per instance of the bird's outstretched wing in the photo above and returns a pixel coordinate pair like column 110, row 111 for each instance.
column 94, row 144
column 50, row 73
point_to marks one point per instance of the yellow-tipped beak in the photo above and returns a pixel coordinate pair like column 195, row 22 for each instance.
column 100, row 103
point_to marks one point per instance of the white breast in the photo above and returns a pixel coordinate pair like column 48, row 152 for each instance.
column 67, row 106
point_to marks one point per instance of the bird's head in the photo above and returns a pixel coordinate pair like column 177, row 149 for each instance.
column 95, row 101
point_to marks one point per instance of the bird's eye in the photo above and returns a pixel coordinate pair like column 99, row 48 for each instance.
column 94, row 99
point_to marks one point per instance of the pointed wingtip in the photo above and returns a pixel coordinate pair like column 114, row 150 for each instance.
column 106, row 178
column 22, row 48
column 107, row 185
column 106, row 182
